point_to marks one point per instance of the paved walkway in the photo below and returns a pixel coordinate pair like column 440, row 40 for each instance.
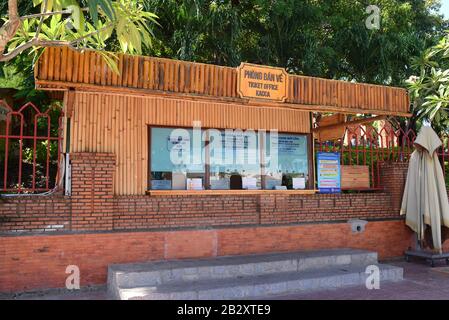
column 420, row 282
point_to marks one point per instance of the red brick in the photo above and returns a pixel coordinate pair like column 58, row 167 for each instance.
column 38, row 262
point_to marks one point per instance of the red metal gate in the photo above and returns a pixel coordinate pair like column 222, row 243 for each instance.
column 30, row 148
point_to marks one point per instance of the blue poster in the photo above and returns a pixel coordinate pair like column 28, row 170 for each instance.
column 328, row 164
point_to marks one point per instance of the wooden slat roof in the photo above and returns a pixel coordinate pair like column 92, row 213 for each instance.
column 62, row 68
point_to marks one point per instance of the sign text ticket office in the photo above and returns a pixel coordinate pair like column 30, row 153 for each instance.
column 261, row 82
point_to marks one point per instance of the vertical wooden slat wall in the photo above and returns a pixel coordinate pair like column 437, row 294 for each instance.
column 119, row 123
column 67, row 66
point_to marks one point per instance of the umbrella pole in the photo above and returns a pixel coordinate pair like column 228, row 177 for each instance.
column 417, row 242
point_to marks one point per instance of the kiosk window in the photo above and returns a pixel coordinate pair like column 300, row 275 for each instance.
column 193, row 159
column 234, row 160
column 177, row 163
column 290, row 168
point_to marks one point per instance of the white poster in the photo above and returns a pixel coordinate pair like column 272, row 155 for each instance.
column 249, row 183
column 299, row 183
column 195, row 184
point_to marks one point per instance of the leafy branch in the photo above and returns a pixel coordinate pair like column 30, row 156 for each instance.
column 66, row 23
column 430, row 90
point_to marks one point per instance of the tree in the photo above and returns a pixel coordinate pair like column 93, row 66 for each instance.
column 430, row 90
column 101, row 25
column 318, row 38
column 70, row 23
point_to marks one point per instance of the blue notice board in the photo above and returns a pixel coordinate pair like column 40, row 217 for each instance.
column 328, row 164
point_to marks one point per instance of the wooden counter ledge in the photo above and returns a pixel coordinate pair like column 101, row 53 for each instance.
column 224, row 192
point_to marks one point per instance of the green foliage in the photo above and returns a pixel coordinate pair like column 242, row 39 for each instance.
column 18, row 74
column 117, row 25
column 430, row 90
column 133, row 27
column 91, row 27
column 41, row 152
column 318, row 38
column 94, row 6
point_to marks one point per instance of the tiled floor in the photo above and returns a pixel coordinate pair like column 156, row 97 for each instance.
column 420, row 282
column 94, row 293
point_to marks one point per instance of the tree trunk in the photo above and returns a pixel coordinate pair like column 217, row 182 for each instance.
column 9, row 29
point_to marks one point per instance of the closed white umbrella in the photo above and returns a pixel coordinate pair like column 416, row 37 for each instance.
column 425, row 202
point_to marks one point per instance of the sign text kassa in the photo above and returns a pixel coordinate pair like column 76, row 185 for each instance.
column 261, row 82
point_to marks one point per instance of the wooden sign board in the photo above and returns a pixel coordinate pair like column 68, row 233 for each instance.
column 330, row 134
column 328, row 128
column 331, row 120
column 354, row 177
column 261, row 82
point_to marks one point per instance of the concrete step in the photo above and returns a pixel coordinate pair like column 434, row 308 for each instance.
column 253, row 287
column 175, row 271
column 152, row 273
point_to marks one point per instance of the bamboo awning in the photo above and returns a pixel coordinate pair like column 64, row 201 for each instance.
column 60, row 68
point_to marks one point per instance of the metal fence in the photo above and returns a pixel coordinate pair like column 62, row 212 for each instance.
column 30, row 145
column 368, row 146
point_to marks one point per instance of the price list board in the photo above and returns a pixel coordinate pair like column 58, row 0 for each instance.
column 328, row 167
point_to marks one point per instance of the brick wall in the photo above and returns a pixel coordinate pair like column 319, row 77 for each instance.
column 39, row 261
column 282, row 209
column 237, row 224
column 142, row 212
column 92, row 206
column 42, row 214
column 393, row 176
column 35, row 213
column 92, row 191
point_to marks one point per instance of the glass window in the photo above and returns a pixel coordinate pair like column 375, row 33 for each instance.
column 234, row 159
column 286, row 161
column 177, row 159
column 231, row 159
